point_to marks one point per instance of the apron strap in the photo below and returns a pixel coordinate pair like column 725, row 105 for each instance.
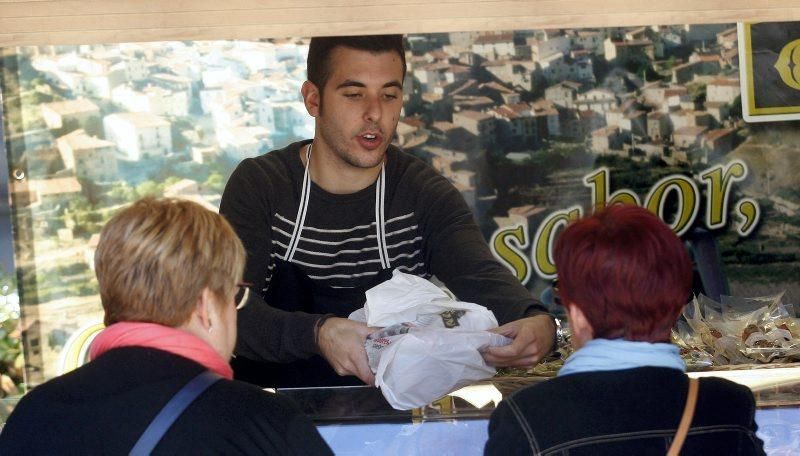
column 302, row 210
column 380, row 219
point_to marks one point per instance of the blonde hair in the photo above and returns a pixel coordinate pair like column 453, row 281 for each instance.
column 155, row 257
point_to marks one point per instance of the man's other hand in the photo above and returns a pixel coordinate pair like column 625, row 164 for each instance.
column 533, row 340
column 341, row 343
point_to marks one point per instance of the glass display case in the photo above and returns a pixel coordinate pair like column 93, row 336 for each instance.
column 357, row 420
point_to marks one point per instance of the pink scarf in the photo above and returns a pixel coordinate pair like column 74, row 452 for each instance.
column 151, row 335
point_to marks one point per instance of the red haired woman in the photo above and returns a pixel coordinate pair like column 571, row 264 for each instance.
column 624, row 278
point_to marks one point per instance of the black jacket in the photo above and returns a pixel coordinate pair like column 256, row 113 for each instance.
column 624, row 412
column 104, row 406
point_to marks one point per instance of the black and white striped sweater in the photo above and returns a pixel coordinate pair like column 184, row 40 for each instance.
column 429, row 231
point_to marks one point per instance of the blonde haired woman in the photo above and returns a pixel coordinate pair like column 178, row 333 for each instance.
column 159, row 380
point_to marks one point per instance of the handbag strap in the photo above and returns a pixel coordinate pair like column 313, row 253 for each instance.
column 686, row 419
column 174, row 408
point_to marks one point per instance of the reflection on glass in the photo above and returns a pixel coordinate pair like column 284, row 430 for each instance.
column 527, row 124
column 93, row 128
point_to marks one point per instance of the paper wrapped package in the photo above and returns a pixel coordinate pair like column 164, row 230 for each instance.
column 430, row 344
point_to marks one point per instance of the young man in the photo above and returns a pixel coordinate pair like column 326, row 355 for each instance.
column 326, row 219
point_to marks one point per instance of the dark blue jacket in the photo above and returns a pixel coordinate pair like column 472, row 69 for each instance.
column 624, row 412
column 104, row 406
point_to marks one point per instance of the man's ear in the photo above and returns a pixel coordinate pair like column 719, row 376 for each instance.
column 311, row 98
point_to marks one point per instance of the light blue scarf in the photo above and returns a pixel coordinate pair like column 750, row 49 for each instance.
column 618, row 354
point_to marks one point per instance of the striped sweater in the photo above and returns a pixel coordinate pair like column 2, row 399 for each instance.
column 430, row 231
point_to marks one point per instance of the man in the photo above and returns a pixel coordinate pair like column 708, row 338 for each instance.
column 326, row 219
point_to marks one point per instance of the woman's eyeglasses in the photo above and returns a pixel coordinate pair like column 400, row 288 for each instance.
column 556, row 296
column 243, row 294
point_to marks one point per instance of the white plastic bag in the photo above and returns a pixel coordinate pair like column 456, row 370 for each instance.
column 426, row 363
column 430, row 344
column 407, row 298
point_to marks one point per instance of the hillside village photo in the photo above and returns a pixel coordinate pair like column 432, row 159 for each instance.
column 519, row 121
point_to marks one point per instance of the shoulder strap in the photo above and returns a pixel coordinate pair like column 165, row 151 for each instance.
column 686, row 419
column 174, row 408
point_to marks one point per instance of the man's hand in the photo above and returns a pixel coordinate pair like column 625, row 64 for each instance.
column 341, row 343
column 533, row 340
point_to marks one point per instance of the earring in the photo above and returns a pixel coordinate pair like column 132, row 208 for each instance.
column 209, row 326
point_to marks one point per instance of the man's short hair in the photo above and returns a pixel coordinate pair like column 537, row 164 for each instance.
column 318, row 63
column 626, row 270
column 156, row 256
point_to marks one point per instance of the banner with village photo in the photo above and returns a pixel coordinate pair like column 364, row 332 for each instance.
column 534, row 127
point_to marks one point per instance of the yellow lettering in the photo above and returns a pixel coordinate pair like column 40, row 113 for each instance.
column 749, row 213
column 688, row 201
column 598, row 182
column 718, row 190
column 545, row 239
column 507, row 245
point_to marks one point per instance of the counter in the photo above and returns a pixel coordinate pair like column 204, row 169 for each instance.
column 357, row 420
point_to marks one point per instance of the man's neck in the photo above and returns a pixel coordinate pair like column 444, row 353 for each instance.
column 336, row 176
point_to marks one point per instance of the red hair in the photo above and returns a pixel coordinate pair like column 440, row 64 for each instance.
column 626, row 271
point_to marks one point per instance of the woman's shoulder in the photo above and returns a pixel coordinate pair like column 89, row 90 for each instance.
column 726, row 396
column 723, row 385
column 543, row 397
column 268, row 422
column 253, row 401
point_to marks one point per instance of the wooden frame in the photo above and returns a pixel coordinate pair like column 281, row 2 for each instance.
column 53, row 22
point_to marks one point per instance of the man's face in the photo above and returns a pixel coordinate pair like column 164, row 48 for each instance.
column 360, row 106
